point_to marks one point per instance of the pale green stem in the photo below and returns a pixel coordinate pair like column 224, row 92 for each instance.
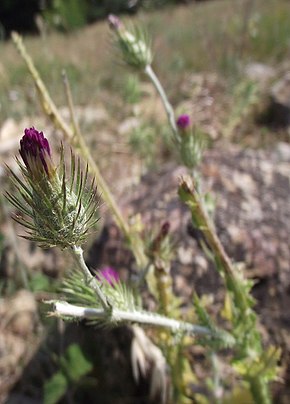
column 167, row 106
column 216, row 376
column 62, row 308
column 260, row 390
column 78, row 256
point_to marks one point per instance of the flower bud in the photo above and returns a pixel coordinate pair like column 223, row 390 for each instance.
column 109, row 274
column 61, row 214
column 35, row 153
column 183, row 123
column 133, row 43
column 192, row 142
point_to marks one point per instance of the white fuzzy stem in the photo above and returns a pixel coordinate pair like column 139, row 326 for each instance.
column 167, row 106
column 77, row 253
column 62, row 308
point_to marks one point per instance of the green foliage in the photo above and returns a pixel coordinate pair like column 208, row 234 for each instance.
column 39, row 282
column 192, row 146
column 73, row 366
column 143, row 141
column 76, row 291
column 66, row 14
column 131, row 90
column 245, row 97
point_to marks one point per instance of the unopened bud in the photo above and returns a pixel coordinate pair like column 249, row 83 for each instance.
column 133, row 43
column 60, row 215
column 35, row 153
column 109, row 274
column 183, row 122
column 114, row 22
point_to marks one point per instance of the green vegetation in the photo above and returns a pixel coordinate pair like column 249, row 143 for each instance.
column 218, row 37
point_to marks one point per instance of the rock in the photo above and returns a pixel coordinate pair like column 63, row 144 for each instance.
column 19, row 336
column 279, row 110
column 259, row 72
column 128, row 125
column 88, row 115
column 252, row 218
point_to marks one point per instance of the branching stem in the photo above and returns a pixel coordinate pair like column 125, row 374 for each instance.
column 62, row 308
column 77, row 254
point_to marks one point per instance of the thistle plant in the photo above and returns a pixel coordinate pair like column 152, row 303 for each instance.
column 256, row 366
column 135, row 48
column 62, row 213
column 192, row 142
column 62, row 210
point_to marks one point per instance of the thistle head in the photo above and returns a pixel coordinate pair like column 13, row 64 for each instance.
column 192, row 141
column 109, row 274
column 183, row 122
column 35, row 153
column 61, row 209
column 133, row 43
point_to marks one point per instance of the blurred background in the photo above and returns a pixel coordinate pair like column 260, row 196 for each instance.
column 226, row 63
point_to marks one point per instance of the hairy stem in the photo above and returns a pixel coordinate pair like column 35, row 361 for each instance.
column 77, row 254
column 167, row 106
column 66, row 309
column 190, row 196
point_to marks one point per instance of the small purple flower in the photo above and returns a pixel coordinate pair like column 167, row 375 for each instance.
column 114, row 22
column 35, row 153
column 109, row 274
column 183, row 122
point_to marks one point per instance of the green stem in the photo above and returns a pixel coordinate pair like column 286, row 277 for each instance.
column 78, row 256
column 190, row 196
column 167, row 106
column 260, row 391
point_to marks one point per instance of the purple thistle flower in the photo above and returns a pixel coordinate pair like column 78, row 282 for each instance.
column 109, row 274
column 35, row 153
column 183, row 122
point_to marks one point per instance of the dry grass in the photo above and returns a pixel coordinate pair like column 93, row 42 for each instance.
column 213, row 36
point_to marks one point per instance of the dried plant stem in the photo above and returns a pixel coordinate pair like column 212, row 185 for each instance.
column 167, row 106
column 77, row 140
column 66, row 309
column 48, row 105
column 258, row 385
column 190, row 196
column 77, row 254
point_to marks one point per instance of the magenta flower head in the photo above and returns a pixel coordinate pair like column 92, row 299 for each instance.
column 109, row 274
column 183, row 122
column 35, row 153
column 61, row 209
